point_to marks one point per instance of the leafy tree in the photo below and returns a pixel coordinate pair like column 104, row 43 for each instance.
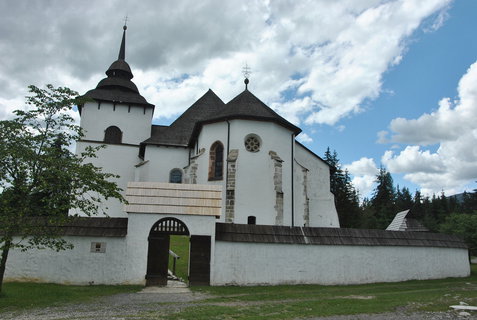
column 41, row 179
column 464, row 225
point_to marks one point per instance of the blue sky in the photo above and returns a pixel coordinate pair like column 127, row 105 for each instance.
column 430, row 70
column 382, row 82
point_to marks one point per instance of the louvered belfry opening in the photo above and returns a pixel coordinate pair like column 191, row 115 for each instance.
column 170, row 226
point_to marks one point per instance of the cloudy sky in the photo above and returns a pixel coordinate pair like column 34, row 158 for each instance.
column 382, row 82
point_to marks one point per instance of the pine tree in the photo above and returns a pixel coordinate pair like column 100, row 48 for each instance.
column 346, row 196
column 383, row 200
column 404, row 199
column 417, row 207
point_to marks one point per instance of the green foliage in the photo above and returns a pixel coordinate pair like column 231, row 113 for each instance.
column 404, row 199
column 261, row 302
column 464, row 225
column 180, row 246
column 387, row 201
column 383, row 200
column 20, row 296
column 41, row 179
column 346, row 196
column 307, row 301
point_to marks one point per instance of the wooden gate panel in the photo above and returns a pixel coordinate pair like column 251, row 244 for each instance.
column 157, row 260
column 199, row 263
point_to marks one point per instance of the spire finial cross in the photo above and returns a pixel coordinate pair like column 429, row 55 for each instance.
column 246, row 71
column 125, row 22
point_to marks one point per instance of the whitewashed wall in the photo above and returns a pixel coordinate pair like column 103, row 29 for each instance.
column 124, row 262
column 161, row 161
column 239, row 263
column 254, row 190
column 322, row 208
column 133, row 122
column 119, row 160
column 77, row 266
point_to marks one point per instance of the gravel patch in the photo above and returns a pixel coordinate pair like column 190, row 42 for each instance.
column 449, row 315
column 151, row 304
column 120, row 306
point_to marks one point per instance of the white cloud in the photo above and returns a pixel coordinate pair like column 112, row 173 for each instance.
column 413, row 160
column 364, row 172
column 453, row 127
column 383, row 137
column 304, row 138
column 313, row 61
column 449, row 122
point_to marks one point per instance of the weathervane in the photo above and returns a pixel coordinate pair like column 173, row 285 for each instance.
column 246, row 71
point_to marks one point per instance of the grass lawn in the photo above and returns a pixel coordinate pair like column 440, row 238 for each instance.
column 16, row 296
column 180, row 245
column 289, row 302
column 268, row 302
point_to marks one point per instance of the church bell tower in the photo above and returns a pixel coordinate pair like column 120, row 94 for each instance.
column 115, row 112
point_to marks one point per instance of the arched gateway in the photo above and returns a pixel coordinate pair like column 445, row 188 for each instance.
column 177, row 209
column 158, row 249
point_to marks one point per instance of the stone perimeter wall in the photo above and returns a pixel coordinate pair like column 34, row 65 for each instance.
column 77, row 266
column 252, row 255
column 243, row 263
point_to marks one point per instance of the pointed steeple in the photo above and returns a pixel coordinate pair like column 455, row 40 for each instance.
column 122, row 49
column 118, row 87
column 120, row 68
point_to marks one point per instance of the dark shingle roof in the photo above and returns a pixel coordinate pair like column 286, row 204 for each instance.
column 210, row 108
column 96, row 227
column 333, row 236
column 247, row 106
column 118, row 87
column 180, row 131
column 77, row 226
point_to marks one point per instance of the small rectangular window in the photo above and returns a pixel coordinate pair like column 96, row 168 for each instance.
column 98, row 247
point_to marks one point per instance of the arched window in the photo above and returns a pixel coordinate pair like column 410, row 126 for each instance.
column 113, row 135
column 252, row 220
column 216, row 161
column 175, row 176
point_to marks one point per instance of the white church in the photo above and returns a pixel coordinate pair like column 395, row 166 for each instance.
column 254, row 201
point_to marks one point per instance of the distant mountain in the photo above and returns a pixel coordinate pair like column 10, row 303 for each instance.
column 460, row 196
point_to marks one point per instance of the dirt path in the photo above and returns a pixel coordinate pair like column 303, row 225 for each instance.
column 153, row 304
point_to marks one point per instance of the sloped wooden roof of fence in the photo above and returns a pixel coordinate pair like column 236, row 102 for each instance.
column 173, row 198
column 96, row 227
column 76, row 226
column 333, row 236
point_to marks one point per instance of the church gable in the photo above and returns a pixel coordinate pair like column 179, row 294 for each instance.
column 210, row 109
column 179, row 133
column 247, row 106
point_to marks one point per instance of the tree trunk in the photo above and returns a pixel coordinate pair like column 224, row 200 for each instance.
column 3, row 262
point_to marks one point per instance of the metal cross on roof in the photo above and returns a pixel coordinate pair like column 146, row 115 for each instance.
column 125, row 21
column 246, row 71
